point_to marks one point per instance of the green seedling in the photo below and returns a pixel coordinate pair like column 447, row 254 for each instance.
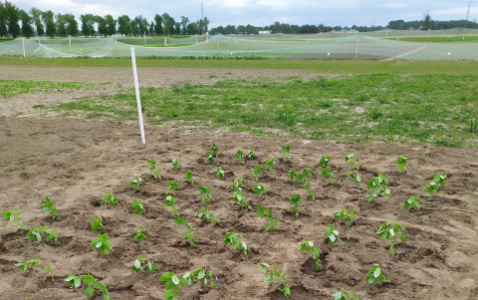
column 151, row 267
column 251, row 154
column 402, row 163
column 328, row 174
column 345, row 214
column 13, row 216
column 219, row 172
column 176, row 163
column 260, row 190
column 40, row 231
column 30, row 263
column 262, row 212
column 271, row 224
column 173, row 282
column 332, row 235
column 205, row 193
column 189, row 177
column 295, row 201
column 294, row 176
column 96, row 224
column 235, row 240
column 171, row 202
column 207, row 216
column 237, row 183
column 375, row 275
column 413, row 203
column 240, row 199
column 240, row 157
column 109, row 199
column 91, row 284
column 377, row 186
column 308, row 246
column 139, row 236
column 136, row 182
column 324, row 162
column 48, row 206
column 270, row 164
column 211, row 154
column 437, row 182
column 154, row 169
column 138, row 207
column 387, row 231
column 173, row 185
column 355, row 176
column 257, row 171
column 352, row 159
column 214, row 151
column 190, row 234
column 284, row 152
column 103, row 243
column 345, row 295
column 270, row 272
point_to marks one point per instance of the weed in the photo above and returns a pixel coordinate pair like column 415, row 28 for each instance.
column 377, row 186
column 39, row 231
column 91, row 284
column 240, row 199
column 30, row 263
column 240, row 157
column 154, row 169
column 345, row 295
column 235, row 240
column 103, row 243
column 136, row 182
column 473, row 126
column 109, row 199
column 13, row 216
column 295, row 201
column 270, row 272
column 219, row 172
column 413, row 203
column 138, row 207
column 375, row 275
column 332, row 235
column 345, row 214
column 139, row 236
column 151, row 267
column 284, row 152
column 96, row 224
column 387, row 231
column 173, row 282
column 257, row 171
column 437, row 182
column 204, row 190
column 190, row 234
column 402, row 163
column 176, row 163
column 189, row 177
column 270, row 164
column 260, row 190
column 308, row 246
column 207, row 216
column 48, row 206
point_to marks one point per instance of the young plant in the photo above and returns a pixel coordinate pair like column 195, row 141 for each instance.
column 328, row 174
column 284, row 152
column 214, row 151
column 294, row 176
column 91, row 284
column 332, row 235
column 171, row 202
column 139, row 236
column 219, row 172
column 173, row 185
column 40, row 231
column 437, row 182
column 30, row 263
column 377, row 186
column 207, row 216
column 345, row 214
column 295, row 201
column 138, row 207
column 154, row 169
column 176, row 163
column 402, row 163
column 237, row 183
column 260, row 190
column 151, row 267
column 205, row 193
column 413, row 203
column 251, row 154
column 308, row 246
column 345, row 295
column 13, row 216
column 270, row 272
column 189, row 177
column 240, row 157
column 190, row 234
column 103, row 243
column 387, row 231
column 240, row 199
column 375, row 275
column 211, row 154
column 271, row 224
column 96, row 224
column 173, row 282
column 355, row 176
column 136, row 182
column 235, row 240
column 109, row 199
column 352, row 159
column 324, row 162
column 270, row 164
column 257, row 171
column 48, row 206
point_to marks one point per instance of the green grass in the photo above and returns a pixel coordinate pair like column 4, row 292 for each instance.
column 5, row 39
column 437, row 39
column 416, row 109
column 10, row 88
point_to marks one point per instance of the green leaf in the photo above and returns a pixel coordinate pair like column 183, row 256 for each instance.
column 175, row 280
column 376, row 273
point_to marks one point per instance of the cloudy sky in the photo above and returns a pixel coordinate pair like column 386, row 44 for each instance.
column 265, row 12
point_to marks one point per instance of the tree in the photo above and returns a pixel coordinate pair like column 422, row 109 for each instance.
column 168, row 23
column 426, row 21
column 61, row 29
column 102, row 26
column 124, row 25
column 87, row 22
column 13, row 16
column 134, row 27
column 3, row 20
column 110, row 25
column 206, row 23
column 49, row 19
column 177, row 28
column 151, row 28
column 192, row 28
column 158, row 28
column 37, row 18
column 72, row 27
column 184, row 23
column 27, row 21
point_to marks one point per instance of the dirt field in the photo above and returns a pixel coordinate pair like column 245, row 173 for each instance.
column 75, row 161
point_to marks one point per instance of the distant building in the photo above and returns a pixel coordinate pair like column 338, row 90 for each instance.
column 264, row 32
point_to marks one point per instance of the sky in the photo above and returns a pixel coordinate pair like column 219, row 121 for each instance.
column 266, row 12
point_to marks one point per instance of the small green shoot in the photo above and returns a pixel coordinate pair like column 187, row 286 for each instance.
column 240, row 199
column 96, row 224
column 328, row 174
column 151, row 267
column 271, row 224
column 251, row 154
column 13, row 216
column 270, row 164
column 237, row 183
column 30, row 263
column 308, row 246
column 204, row 191
column 332, row 235
column 260, row 190
column 345, row 295
column 375, row 275
column 402, row 163
column 352, row 159
column 171, row 202
column 138, row 207
column 207, row 216
column 270, row 272
column 173, row 282
column 211, row 154
column 103, row 243
column 294, row 176
column 109, row 199
column 377, row 186
column 176, row 163
column 295, row 201
column 284, row 152
column 139, row 236
column 345, row 214
column 235, row 240
column 387, row 231
column 48, row 206
column 154, row 169
column 40, row 231
column 136, row 182
column 189, row 177
column 437, row 182
column 324, row 162
column 219, row 172
column 91, row 284
column 190, row 234
column 413, row 203
column 240, row 157
column 355, row 176
column 214, row 151
column 172, row 185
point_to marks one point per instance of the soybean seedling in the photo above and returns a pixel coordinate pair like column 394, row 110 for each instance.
column 271, row 224
column 136, row 182
column 284, row 152
column 345, row 214
column 219, row 172
column 109, row 199
column 413, row 203
column 91, row 284
column 377, row 186
column 237, row 183
column 173, row 282
column 139, row 236
column 103, row 243
column 48, row 206
column 387, row 231
column 151, row 267
column 138, row 207
column 190, row 234
column 96, row 224
column 332, row 235
column 324, row 162
column 205, row 193
column 375, row 275
column 211, row 154
column 240, row 199
column 235, row 240
column 402, row 163
column 189, row 177
column 207, row 216
column 308, row 246
column 251, row 154
column 176, row 163
column 13, row 216
column 352, row 159
column 214, row 151
column 345, row 295
column 270, row 272
column 30, row 263
column 240, row 157
column 295, row 201
column 154, row 169
column 40, row 231
column 270, row 164
column 294, row 176
column 437, row 182
column 171, row 202
column 260, row 190
column 173, row 185
column 328, row 174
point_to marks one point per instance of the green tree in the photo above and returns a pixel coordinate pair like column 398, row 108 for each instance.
column 102, row 26
column 151, row 28
column 72, row 27
column 61, row 25
column 124, row 25
column 3, row 20
column 134, row 27
column 49, row 20
column 168, row 24
column 27, row 21
column 184, row 24
column 177, row 28
column 192, row 28
column 426, row 21
column 13, row 16
column 158, row 28
column 37, row 18
column 111, row 25
column 87, row 22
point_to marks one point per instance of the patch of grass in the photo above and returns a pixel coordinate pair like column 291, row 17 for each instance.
column 10, row 88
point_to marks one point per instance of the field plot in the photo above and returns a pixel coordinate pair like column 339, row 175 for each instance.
column 74, row 160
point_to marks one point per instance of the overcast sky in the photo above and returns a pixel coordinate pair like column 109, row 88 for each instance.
column 265, row 12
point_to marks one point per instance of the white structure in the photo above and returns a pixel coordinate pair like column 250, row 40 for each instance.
column 265, row 32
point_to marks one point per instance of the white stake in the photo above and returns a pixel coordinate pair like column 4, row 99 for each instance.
column 218, row 49
column 24, row 54
column 138, row 100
